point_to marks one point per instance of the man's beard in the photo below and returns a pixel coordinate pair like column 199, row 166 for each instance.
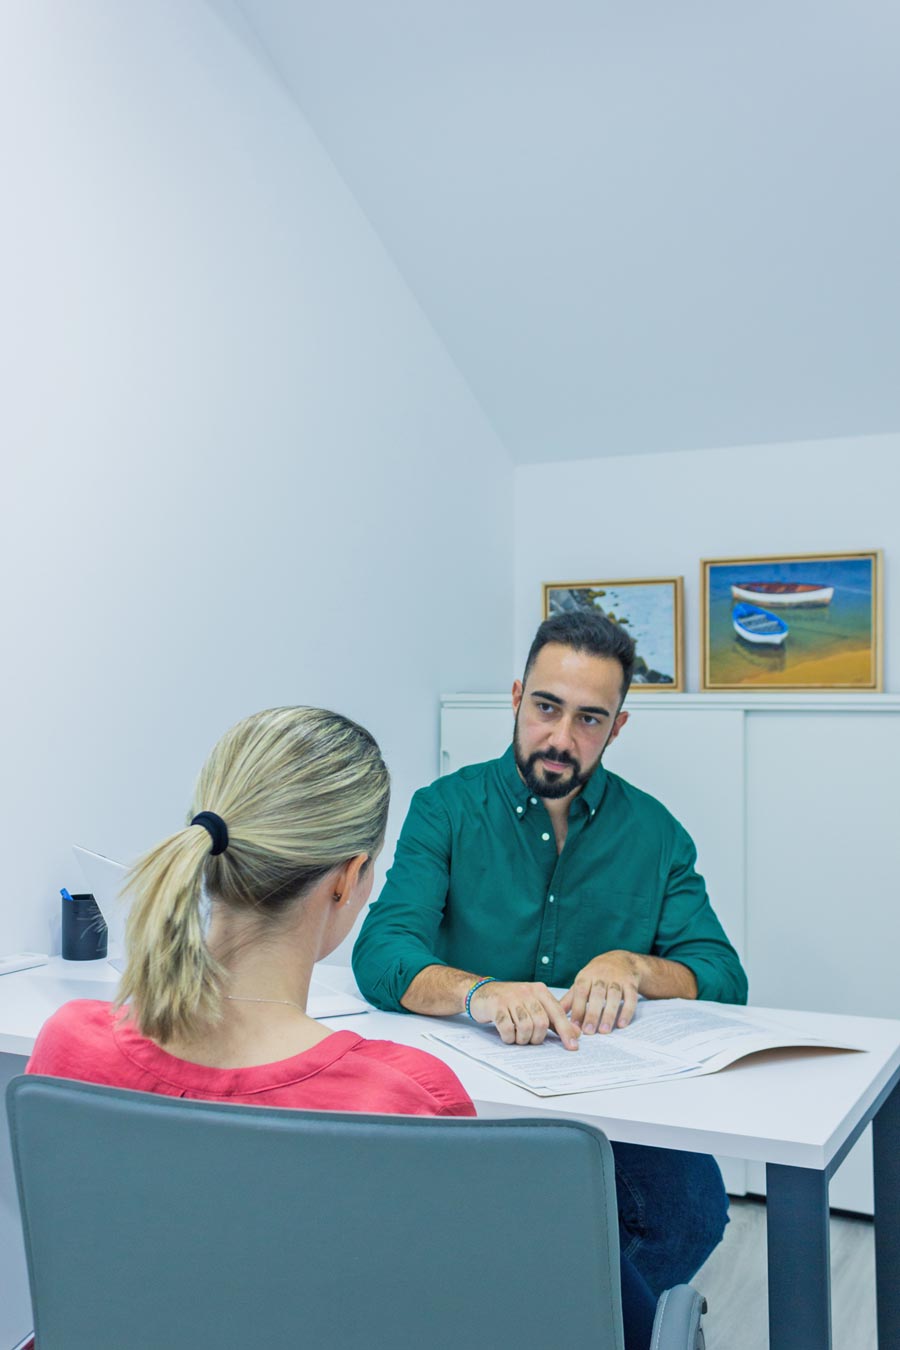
column 550, row 785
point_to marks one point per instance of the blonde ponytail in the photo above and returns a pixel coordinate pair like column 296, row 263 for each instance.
column 171, row 979
column 301, row 790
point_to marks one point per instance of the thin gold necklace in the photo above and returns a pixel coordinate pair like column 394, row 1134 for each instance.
column 288, row 1003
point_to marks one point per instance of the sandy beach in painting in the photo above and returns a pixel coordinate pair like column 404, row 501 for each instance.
column 850, row 668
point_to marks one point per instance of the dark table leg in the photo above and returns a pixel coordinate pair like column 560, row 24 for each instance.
column 886, row 1157
column 799, row 1258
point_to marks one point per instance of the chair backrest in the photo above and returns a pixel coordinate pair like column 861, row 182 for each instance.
column 155, row 1222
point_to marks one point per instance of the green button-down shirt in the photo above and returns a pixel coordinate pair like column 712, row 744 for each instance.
column 477, row 883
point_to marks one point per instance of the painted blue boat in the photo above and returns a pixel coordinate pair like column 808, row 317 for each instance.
column 758, row 626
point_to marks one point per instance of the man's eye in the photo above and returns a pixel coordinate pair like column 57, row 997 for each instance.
column 590, row 721
column 546, row 707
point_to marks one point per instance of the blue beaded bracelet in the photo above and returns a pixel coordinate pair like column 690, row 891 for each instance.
column 488, row 979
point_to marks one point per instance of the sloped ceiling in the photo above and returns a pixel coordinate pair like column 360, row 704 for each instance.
column 637, row 226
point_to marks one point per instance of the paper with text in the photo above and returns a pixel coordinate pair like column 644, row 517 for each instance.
column 669, row 1038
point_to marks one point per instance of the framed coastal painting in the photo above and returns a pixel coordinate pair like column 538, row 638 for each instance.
column 649, row 609
column 805, row 621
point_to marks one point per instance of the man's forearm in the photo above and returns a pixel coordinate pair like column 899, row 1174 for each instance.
column 660, row 978
column 439, row 991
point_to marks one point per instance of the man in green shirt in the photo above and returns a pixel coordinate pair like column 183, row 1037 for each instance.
column 543, row 869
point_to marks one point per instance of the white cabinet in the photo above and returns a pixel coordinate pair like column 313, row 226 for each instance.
column 791, row 802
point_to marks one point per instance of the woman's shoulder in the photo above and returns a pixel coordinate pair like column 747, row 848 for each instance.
column 74, row 1033
column 79, row 1017
column 427, row 1071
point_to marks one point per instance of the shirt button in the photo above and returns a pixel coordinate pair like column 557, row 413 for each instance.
column 552, row 898
column 519, row 810
column 545, row 836
column 534, row 801
column 592, row 813
column 545, row 960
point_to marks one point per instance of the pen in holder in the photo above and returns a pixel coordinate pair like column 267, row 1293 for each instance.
column 83, row 928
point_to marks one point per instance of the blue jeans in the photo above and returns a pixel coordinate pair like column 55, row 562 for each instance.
column 638, row 1308
column 672, row 1212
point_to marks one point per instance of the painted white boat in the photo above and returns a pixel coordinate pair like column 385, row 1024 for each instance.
column 758, row 626
column 782, row 593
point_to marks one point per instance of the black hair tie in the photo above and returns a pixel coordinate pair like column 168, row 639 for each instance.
column 217, row 828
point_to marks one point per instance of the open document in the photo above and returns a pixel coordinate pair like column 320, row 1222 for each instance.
column 668, row 1038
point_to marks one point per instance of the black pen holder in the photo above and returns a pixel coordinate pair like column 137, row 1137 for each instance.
column 83, row 929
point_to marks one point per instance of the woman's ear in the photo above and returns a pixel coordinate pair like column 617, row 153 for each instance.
column 347, row 875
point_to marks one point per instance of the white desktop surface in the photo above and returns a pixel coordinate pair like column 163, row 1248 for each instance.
column 794, row 1107
column 28, row 997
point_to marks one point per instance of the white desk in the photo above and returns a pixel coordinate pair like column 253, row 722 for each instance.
column 799, row 1112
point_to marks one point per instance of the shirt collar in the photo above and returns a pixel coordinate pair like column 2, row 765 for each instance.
column 522, row 800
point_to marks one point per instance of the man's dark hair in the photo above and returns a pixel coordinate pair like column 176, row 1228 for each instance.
column 586, row 630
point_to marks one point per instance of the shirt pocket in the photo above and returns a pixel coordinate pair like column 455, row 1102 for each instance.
column 610, row 920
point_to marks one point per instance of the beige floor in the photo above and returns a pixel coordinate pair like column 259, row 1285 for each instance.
column 734, row 1282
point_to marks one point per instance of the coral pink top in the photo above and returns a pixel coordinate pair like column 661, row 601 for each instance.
column 96, row 1043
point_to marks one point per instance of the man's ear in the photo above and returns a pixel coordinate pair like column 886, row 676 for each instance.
column 618, row 724
column 518, row 690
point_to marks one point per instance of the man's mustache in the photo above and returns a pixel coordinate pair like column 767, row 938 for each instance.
column 558, row 757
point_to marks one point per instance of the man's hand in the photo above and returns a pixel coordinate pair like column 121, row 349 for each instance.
column 523, row 1013
column 605, row 992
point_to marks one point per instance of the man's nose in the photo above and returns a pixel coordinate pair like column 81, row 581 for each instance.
column 562, row 736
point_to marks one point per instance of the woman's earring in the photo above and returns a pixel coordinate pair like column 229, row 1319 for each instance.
column 337, row 895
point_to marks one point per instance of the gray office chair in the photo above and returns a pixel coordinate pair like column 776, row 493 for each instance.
column 152, row 1222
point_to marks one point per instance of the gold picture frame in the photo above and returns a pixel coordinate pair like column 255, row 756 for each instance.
column 792, row 621
column 657, row 620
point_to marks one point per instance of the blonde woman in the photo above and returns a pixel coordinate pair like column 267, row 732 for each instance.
column 288, row 815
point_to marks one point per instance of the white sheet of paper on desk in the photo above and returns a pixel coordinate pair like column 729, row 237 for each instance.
column 686, row 1027
column 548, row 1070
column 669, row 1038
column 324, row 1001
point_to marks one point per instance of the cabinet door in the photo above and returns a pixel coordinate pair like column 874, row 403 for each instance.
column 694, row 764
column 470, row 735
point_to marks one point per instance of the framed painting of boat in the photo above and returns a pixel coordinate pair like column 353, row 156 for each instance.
column 650, row 610
column 803, row 621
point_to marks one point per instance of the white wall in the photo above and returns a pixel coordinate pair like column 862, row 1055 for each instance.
column 239, row 468
column 658, row 515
